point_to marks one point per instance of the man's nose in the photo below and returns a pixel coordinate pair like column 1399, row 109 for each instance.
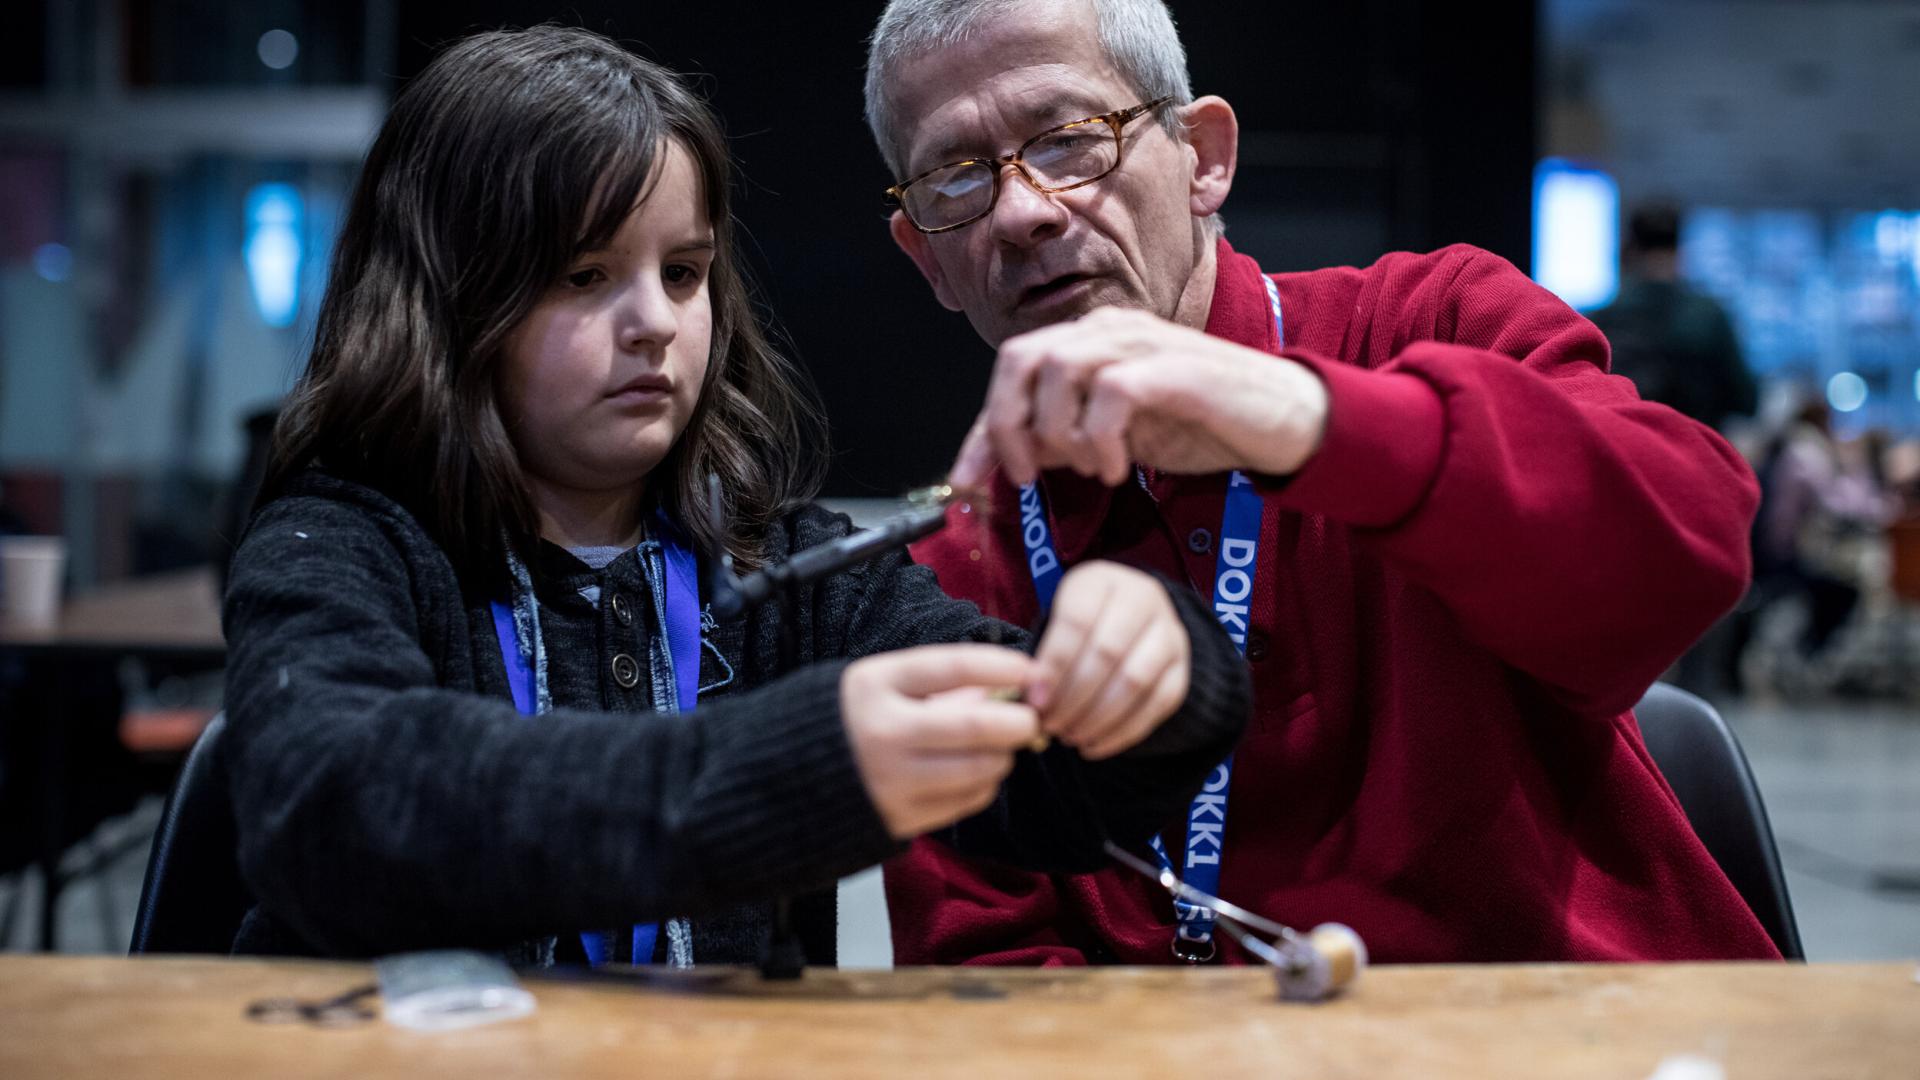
column 1024, row 214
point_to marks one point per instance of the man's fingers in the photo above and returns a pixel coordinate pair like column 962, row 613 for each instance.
column 1108, row 416
column 1009, row 410
column 1057, row 401
column 973, row 465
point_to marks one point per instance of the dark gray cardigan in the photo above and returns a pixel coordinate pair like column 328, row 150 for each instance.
column 389, row 796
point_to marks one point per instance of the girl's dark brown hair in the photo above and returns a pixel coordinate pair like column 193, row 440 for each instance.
column 509, row 155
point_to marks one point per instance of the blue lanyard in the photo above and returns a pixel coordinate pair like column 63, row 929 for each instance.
column 675, row 581
column 1233, row 573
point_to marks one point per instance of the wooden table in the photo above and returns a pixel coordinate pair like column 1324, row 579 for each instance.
column 173, row 617
column 176, row 1017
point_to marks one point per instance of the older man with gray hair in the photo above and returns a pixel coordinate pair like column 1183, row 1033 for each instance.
column 1454, row 549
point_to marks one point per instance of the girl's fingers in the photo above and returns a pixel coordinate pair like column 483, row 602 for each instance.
column 1123, row 689
column 1146, row 715
column 1108, row 617
column 959, row 774
column 1129, row 689
column 967, row 725
column 932, row 669
column 930, row 745
column 948, row 787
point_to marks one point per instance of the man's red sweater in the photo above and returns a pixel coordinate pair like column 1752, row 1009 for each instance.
column 1496, row 549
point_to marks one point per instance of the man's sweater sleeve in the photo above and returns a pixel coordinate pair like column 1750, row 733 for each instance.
column 1582, row 535
column 378, row 810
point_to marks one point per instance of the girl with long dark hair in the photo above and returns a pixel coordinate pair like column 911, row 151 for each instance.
column 467, row 637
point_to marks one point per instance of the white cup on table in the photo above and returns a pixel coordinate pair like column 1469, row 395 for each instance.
column 31, row 571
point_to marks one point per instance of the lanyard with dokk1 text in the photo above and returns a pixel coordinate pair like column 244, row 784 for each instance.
column 673, row 575
column 1233, row 573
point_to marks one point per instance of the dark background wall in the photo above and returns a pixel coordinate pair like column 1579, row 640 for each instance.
column 1367, row 127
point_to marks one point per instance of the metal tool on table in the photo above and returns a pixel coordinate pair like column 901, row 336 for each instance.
column 1313, row 966
column 344, row 1010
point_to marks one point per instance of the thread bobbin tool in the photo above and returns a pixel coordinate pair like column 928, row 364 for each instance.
column 1313, row 966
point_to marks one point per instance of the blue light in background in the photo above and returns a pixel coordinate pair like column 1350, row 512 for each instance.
column 278, row 49
column 1846, row 392
column 53, row 262
column 273, row 251
column 1576, row 232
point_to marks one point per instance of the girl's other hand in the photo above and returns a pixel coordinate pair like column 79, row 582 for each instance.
column 1113, row 661
column 931, row 743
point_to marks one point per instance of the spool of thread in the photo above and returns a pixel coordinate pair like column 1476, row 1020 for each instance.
column 1331, row 961
column 1346, row 954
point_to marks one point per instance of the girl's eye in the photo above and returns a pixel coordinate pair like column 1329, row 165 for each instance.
column 581, row 279
column 681, row 274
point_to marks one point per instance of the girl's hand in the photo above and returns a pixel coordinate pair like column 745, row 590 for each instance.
column 1113, row 662
column 930, row 742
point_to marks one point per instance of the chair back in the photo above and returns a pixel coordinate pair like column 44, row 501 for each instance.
column 193, row 899
column 1702, row 761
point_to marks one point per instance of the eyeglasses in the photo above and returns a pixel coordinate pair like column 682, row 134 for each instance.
column 1308, row 967
column 1060, row 159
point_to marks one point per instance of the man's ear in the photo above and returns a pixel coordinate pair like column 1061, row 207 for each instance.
column 915, row 244
column 1213, row 132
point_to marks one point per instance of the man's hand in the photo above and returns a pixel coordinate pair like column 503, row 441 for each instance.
column 1113, row 662
column 930, row 742
column 1120, row 386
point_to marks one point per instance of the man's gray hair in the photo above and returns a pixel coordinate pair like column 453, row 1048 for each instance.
column 1138, row 37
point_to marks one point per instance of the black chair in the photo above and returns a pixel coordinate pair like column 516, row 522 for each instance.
column 1702, row 761
column 193, row 899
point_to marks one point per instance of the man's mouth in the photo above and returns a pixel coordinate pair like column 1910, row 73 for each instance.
column 1049, row 291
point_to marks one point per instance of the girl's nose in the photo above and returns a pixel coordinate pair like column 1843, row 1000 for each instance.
column 648, row 317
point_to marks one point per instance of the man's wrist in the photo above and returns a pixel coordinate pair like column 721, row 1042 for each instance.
column 1301, row 424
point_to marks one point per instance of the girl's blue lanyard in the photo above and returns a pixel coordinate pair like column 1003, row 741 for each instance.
column 1233, row 572
column 673, row 575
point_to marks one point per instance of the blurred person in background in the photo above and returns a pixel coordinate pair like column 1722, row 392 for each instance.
column 1676, row 344
column 1678, row 347
column 1902, row 464
column 1820, row 533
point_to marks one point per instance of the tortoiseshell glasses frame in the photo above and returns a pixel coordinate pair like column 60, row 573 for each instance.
column 1059, row 165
